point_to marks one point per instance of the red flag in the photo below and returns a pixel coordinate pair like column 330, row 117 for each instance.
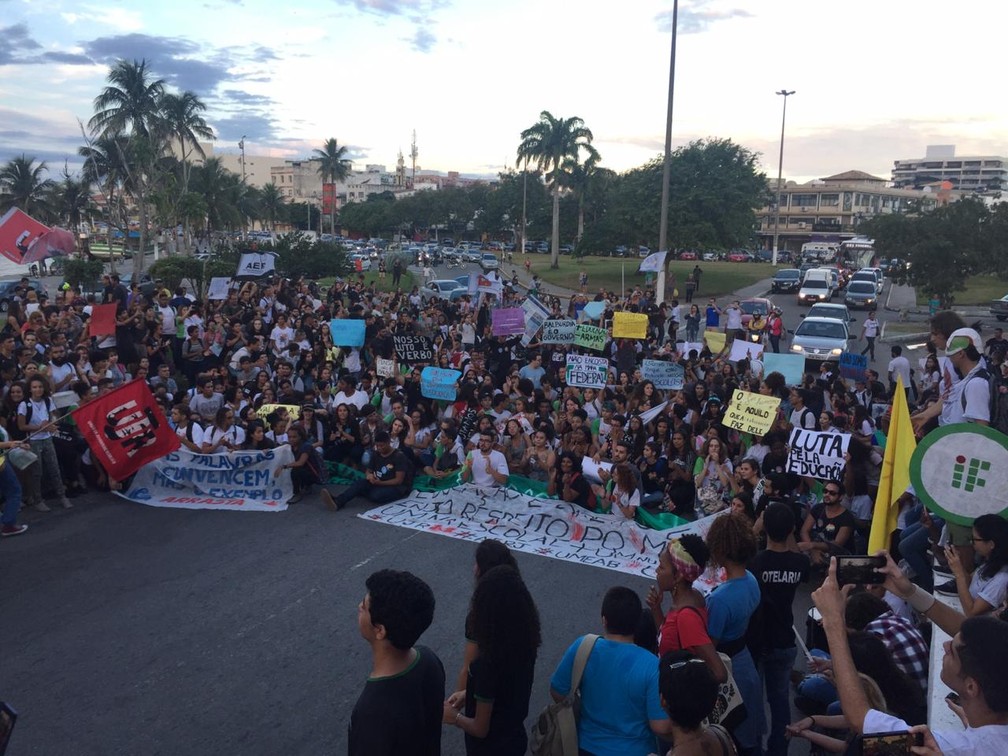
column 103, row 320
column 17, row 232
column 126, row 429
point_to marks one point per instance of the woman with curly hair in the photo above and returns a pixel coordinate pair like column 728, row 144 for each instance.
column 504, row 623
column 732, row 544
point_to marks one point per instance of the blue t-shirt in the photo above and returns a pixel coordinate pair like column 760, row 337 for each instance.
column 533, row 374
column 619, row 695
column 729, row 607
column 713, row 316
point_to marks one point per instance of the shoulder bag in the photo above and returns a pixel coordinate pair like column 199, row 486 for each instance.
column 555, row 730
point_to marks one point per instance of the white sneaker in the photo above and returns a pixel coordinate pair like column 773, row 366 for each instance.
column 65, row 502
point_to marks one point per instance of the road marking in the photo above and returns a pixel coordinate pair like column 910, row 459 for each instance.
column 386, row 550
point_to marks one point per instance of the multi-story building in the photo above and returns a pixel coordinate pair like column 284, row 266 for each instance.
column 831, row 209
column 980, row 174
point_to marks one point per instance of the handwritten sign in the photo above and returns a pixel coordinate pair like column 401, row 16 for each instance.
column 347, row 332
column 385, row 368
column 590, row 337
column 587, row 372
column 691, row 346
column 791, row 366
column 413, row 349
column 535, row 315
column 438, row 383
column 751, row 413
column 507, row 321
column 558, row 331
column 715, row 341
column 218, row 288
column 629, row 325
column 853, row 365
column 664, row 375
column 814, row 454
column 293, row 410
column 745, row 350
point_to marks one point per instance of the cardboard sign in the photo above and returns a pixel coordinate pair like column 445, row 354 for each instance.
column 587, row 372
column 507, row 321
column 413, row 349
column 293, row 410
column 691, row 346
column 742, row 350
column 438, row 383
column 590, row 337
column 853, row 365
column 791, row 366
column 103, row 320
column 815, row 454
column 384, row 368
column 558, row 331
column 218, row 289
column 629, row 325
column 347, row 332
column 535, row 315
column 664, row 375
column 751, row 413
column 715, row 341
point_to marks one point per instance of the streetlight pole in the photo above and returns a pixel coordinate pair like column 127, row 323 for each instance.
column 241, row 146
column 667, row 166
column 780, row 169
column 524, row 195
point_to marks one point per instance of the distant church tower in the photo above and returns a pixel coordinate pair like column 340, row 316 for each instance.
column 400, row 171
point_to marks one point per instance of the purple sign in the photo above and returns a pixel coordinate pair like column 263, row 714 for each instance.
column 508, row 321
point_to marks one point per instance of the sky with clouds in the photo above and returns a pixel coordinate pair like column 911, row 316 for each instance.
column 874, row 81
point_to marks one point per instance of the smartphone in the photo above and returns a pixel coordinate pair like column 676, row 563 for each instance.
column 890, row 743
column 860, row 570
column 8, row 717
column 954, row 698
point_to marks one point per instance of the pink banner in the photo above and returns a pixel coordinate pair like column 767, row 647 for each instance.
column 508, row 321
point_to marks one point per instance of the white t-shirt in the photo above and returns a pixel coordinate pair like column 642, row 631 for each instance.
column 234, row 434
column 900, row 367
column 977, row 393
column 39, row 416
column 733, row 318
column 968, row 742
column 196, row 432
column 992, row 590
column 480, row 476
column 281, row 337
column 358, row 399
column 871, row 327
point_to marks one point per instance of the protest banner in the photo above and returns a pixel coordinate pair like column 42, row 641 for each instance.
column 816, row 454
column 255, row 264
column 347, row 332
column 125, row 429
column 742, row 350
column 558, row 331
column 751, row 413
column 293, row 410
column 507, row 321
column 413, row 349
column 535, row 315
column 587, row 372
column 629, row 325
column 590, row 337
column 853, row 366
column 439, row 383
column 384, row 368
column 546, row 527
column 103, row 320
column 791, row 366
column 252, row 481
column 960, row 471
column 663, row 374
column 594, row 310
column 716, row 341
column 218, row 289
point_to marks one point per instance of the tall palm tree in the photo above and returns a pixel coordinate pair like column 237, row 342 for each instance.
column 72, row 199
column 184, row 121
column 21, row 184
column 333, row 165
column 271, row 203
column 105, row 166
column 219, row 189
column 130, row 105
column 550, row 143
column 579, row 178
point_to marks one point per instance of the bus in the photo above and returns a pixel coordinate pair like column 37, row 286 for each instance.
column 819, row 252
column 858, row 252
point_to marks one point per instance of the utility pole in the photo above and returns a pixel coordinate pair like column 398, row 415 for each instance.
column 780, row 170
column 667, row 165
column 414, row 153
column 241, row 146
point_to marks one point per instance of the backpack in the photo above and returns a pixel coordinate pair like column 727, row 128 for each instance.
column 555, row 730
column 998, row 402
column 52, row 408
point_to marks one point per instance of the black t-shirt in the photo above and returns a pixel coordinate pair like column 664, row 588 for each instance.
column 582, row 491
column 778, row 574
column 826, row 528
column 509, row 690
column 386, row 468
column 400, row 714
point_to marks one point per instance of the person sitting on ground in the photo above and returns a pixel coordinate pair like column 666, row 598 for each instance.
column 569, row 484
column 987, row 588
column 485, row 466
column 389, row 477
column 828, row 528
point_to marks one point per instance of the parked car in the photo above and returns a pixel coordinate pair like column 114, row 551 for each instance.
column 489, row 261
column 820, row 339
column 998, row 308
column 707, row 257
column 861, row 294
column 442, row 289
column 687, row 256
column 619, row 251
column 786, row 279
column 738, row 257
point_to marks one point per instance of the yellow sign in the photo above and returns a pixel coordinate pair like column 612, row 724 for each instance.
column 751, row 413
column 629, row 325
column 715, row 341
column 292, row 409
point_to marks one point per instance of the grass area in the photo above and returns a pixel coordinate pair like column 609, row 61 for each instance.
column 717, row 279
column 406, row 282
column 895, row 328
column 980, row 290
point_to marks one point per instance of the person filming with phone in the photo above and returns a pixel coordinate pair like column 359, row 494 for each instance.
column 975, row 667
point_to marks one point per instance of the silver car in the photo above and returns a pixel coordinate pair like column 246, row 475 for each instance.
column 820, row 339
column 442, row 289
column 489, row 261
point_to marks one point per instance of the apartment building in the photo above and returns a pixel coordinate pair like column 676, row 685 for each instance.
column 980, row 174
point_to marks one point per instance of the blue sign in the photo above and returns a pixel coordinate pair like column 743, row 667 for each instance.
column 438, row 383
column 663, row 374
column 347, row 332
column 853, row 365
column 791, row 366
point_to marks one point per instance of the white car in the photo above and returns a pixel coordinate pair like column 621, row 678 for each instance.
column 361, row 262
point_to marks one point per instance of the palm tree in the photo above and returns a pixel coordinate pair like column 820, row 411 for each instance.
column 333, row 165
column 550, row 143
column 72, row 200
column 271, row 203
column 579, row 178
column 183, row 120
column 105, row 166
column 220, row 190
column 21, row 184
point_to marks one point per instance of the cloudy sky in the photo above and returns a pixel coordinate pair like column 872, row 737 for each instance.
column 875, row 81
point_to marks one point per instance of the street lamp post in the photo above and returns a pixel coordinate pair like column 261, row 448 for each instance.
column 780, row 169
column 667, row 165
column 241, row 146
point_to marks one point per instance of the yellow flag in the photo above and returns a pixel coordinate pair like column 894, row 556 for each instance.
column 900, row 445
column 715, row 341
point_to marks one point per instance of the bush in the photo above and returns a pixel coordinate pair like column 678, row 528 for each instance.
column 77, row 272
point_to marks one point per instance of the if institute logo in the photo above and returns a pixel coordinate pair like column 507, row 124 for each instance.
column 968, row 478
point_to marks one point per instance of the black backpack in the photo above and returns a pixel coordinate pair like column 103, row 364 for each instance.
column 998, row 402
